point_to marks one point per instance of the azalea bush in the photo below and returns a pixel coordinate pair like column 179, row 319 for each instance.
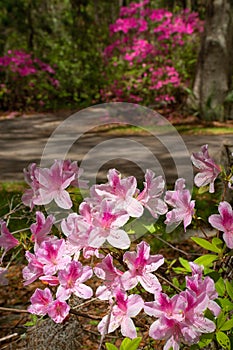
column 192, row 308
column 152, row 54
column 26, row 82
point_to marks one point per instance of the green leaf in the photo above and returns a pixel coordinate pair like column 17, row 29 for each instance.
column 185, row 264
column 229, row 288
column 221, row 320
column 225, row 304
column 206, row 260
column 220, row 287
column 205, row 244
column 150, row 228
column 227, row 325
column 110, row 346
column 217, row 242
column 223, row 340
column 128, row 344
column 203, row 189
column 205, row 340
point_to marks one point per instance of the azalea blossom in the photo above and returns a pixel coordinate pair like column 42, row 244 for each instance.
column 33, row 270
column 140, row 265
column 180, row 319
column 209, row 170
column 121, row 191
column 180, row 200
column 42, row 303
column 52, row 255
column 58, row 310
column 49, row 184
column 7, row 240
column 150, row 197
column 224, row 222
column 126, row 307
column 71, row 281
column 106, row 226
column 111, row 276
column 197, row 284
column 41, row 228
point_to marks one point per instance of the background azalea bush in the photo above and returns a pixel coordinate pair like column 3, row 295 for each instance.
column 26, row 81
column 152, row 54
column 192, row 306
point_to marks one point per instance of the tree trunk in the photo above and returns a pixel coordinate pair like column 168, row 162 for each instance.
column 214, row 69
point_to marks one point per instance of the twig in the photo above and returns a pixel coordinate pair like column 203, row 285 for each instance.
column 85, row 303
column 106, row 327
column 8, row 309
column 168, row 282
column 173, row 247
column 9, row 337
column 77, row 313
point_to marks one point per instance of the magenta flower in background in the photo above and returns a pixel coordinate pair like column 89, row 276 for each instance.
column 224, row 222
column 111, row 276
column 180, row 200
column 140, row 265
column 41, row 228
column 7, row 240
column 125, row 308
column 150, row 197
column 71, row 281
column 209, row 170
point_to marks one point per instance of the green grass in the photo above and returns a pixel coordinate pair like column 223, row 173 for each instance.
column 182, row 129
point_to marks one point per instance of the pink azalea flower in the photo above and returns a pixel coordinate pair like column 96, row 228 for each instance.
column 125, row 308
column 31, row 179
column 40, row 301
column 41, row 228
column 224, row 222
column 77, row 229
column 180, row 319
column 209, row 170
column 140, row 265
column 121, row 192
column 180, row 200
column 58, row 310
column 198, row 285
column 150, row 197
column 52, row 255
column 71, row 281
column 33, row 270
column 7, row 240
column 111, row 276
column 70, row 168
column 106, row 226
column 52, row 185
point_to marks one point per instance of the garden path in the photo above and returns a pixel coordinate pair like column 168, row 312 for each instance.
column 22, row 141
